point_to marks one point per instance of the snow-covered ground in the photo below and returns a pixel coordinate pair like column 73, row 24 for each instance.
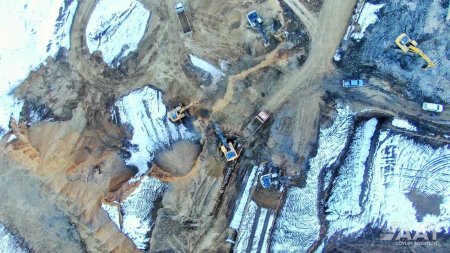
column 33, row 30
column 144, row 111
column 137, row 210
column 113, row 213
column 242, row 202
column 115, row 28
column 366, row 14
column 216, row 73
column 297, row 226
column 367, row 17
column 403, row 173
column 248, row 217
column 346, row 203
column 404, row 124
column 9, row 243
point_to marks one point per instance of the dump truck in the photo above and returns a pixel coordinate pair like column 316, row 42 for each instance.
column 254, row 125
column 185, row 25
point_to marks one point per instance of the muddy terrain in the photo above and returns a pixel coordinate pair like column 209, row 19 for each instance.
column 95, row 162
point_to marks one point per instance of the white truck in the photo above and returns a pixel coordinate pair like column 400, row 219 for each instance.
column 185, row 25
column 431, row 107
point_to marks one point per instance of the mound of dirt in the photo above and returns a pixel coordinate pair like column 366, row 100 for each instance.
column 179, row 160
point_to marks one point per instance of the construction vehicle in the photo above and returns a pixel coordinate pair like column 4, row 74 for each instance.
column 226, row 147
column 271, row 178
column 255, row 124
column 432, row 107
column 185, row 25
column 256, row 22
column 406, row 44
column 179, row 112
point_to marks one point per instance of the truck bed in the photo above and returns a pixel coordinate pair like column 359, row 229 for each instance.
column 185, row 26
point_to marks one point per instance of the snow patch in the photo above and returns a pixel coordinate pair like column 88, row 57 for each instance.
column 245, row 220
column 113, row 213
column 115, row 28
column 400, row 167
column 216, row 73
column 36, row 29
column 144, row 112
column 346, row 202
column 11, row 138
column 337, row 56
column 404, row 124
column 365, row 15
column 138, row 210
column 298, row 226
column 9, row 243
column 242, row 202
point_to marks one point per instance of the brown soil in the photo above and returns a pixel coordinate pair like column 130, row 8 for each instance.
column 267, row 198
column 179, row 160
column 75, row 164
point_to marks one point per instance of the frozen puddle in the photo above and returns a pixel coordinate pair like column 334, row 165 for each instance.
column 216, row 73
column 9, row 243
column 115, row 28
column 297, row 227
column 36, row 29
column 253, row 223
column 144, row 113
column 401, row 176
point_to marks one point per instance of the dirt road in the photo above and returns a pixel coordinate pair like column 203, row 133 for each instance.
column 305, row 85
column 333, row 20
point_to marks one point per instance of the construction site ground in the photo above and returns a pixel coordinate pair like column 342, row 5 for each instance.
column 72, row 164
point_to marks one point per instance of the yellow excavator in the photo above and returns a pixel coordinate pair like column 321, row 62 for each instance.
column 226, row 147
column 179, row 112
column 406, row 44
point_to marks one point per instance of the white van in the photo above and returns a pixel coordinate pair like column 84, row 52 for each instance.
column 431, row 107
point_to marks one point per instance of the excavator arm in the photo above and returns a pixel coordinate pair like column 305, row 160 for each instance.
column 183, row 109
column 423, row 55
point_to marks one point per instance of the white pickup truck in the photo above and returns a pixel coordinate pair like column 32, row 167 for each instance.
column 431, row 107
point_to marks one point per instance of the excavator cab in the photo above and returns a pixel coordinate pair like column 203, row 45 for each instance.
column 406, row 44
column 175, row 114
column 229, row 151
column 179, row 112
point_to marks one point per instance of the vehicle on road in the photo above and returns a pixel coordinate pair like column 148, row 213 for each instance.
column 353, row 83
column 185, row 25
column 432, row 107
